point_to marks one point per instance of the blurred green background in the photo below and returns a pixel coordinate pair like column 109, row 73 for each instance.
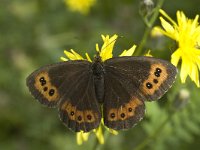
column 35, row 32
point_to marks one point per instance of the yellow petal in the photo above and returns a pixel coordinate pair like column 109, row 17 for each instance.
column 107, row 48
column 113, row 131
column 167, row 16
column 194, row 74
column 99, row 134
column 110, row 130
column 63, row 59
column 88, row 57
column 157, row 32
column 128, row 52
column 198, row 61
column 85, row 136
column 81, row 137
column 104, row 37
column 168, row 28
column 97, row 48
column 175, row 57
column 70, row 55
column 184, row 69
column 181, row 18
column 148, row 54
column 195, row 22
column 73, row 55
column 77, row 56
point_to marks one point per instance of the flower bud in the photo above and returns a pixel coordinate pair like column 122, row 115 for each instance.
column 182, row 99
column 146, row 7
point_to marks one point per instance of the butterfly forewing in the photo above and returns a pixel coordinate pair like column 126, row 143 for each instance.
column 45, row 83
column 151, row 77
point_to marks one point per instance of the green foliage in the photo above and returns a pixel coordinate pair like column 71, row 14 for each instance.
column 173, row 127
column 35, row 32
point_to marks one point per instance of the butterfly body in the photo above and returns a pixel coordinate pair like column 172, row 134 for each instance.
column 120, row 85
column 98, row 75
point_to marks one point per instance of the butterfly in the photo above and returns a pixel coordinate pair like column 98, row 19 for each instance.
column 115, row 90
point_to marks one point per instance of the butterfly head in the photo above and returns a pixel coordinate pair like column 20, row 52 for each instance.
column 97, row 58
column 98, row 63
column 97, row 66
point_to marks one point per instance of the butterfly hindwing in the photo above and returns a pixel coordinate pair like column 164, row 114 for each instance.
column 79, row 109
column 121, row 108
column 129, row 81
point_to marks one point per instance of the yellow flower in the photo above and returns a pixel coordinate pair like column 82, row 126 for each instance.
column 82, row 6
column 83, row 136
column 186, row 32
column 105, row 53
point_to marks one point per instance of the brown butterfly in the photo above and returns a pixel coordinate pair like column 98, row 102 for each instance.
column 120, row 85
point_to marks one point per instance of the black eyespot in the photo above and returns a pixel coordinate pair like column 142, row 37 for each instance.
column 41, row 79
column 45, row 88
column 72, row 113
column 112, row 115
column 43, row 82
column 89, row 117
column 149, row 85
column 157, row 74
column 130, row 109
column 122, row 115
column 158, row 70
column 51, row 92
column 79, row 118
column 155, row 81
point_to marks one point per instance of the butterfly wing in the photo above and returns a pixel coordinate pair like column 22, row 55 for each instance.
column 129, row 81
column 79, row 109
column 121, row 108
column 68, row 85
column 46, row 83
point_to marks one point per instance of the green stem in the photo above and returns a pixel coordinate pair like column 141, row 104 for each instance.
column 149, row 27
column 96, row 145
